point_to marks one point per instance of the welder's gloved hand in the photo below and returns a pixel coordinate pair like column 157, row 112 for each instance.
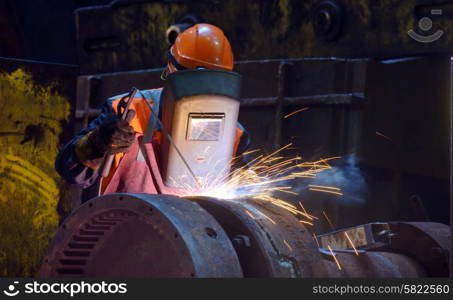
column 112, row 136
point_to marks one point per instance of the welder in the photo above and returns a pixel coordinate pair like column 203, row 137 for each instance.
column 79, row 161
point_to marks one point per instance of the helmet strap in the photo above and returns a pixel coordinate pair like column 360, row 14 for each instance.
column 172, row 59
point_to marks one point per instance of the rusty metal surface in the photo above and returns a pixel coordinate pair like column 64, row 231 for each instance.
column 269, row 241
column 137, row 235
column 339, row 239
column 426, row 242
column 372, row 265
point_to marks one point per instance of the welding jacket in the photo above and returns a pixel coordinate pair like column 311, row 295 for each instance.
column 80, row 173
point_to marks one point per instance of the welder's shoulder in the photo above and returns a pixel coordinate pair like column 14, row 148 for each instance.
column 152, row 94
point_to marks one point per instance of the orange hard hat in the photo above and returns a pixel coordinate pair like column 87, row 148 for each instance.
column 202, row 45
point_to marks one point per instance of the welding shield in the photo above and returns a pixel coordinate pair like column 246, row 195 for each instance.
column 200, row 112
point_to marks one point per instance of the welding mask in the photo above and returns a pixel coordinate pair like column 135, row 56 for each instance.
column 199, row 113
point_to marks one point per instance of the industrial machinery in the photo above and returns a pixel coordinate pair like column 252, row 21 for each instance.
column 139, row 235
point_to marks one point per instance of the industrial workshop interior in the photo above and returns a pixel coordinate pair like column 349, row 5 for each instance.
column 225, row 139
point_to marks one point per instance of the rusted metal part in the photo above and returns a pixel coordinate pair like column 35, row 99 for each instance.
column 137, row 235
column 269, row 241
column 428, row 243
column 371, row 265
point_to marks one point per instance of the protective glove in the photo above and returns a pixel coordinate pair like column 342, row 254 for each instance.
column 113, row 135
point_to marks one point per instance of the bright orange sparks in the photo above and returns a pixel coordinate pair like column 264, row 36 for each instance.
column 249, row 213
column 326, row 191
column 325, row 187
column 272, row 221
column 316, row 240
column 305, row 213
column 263, row 178
column 328, row 220
column 288, row 245
column 295, row 112
column 352, row 244
column 306, row 222
column 334, row 258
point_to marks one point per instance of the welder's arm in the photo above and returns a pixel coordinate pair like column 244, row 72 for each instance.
column 69, row 166
column 79, row 159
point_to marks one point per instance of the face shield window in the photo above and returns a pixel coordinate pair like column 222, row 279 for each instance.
column 205, row 127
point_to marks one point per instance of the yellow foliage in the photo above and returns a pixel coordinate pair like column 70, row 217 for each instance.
column 31, row 117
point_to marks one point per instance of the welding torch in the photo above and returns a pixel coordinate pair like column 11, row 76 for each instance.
column 108, row 158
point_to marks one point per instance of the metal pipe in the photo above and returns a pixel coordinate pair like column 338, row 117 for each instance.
column 207, row 237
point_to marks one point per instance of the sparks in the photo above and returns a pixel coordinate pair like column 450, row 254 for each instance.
column 267, row 217
column 383, row 135
column 288, row 245
column 249, row 213
column 325, row 187
column 306, row 222
column 352, row 244
column 306, row 214
column 295, row 112
column 334, row 258
column 263, row 178
column 328, row 220
column 326, row 191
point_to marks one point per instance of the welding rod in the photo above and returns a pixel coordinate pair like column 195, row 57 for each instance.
column 108, row 158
